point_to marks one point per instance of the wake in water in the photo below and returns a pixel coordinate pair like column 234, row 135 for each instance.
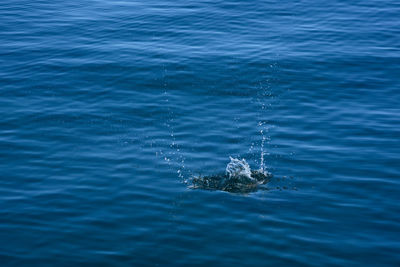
column 238, row 178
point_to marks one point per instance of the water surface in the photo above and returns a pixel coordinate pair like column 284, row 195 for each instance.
column 108, row 107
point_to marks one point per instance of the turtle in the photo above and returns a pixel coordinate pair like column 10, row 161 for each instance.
column 233, row 184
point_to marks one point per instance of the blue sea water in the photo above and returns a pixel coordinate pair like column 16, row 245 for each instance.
column 109, row 107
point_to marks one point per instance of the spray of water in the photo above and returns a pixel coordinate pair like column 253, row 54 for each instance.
column 262, row 168
column 237, row 168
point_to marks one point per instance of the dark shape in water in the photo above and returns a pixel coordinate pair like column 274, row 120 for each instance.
column 233, row 184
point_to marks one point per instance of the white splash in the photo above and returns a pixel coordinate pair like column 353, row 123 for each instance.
column 262, row 152
column 237, row 168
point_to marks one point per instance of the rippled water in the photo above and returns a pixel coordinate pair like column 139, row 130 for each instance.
column 108, row 107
